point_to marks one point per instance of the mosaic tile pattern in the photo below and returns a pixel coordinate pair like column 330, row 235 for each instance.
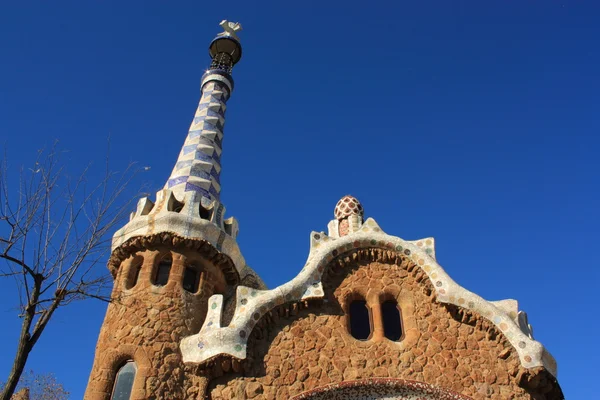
column 380, row 389
column 348, row 205
column 214, row 339
column 194, row 183
column 198, row 167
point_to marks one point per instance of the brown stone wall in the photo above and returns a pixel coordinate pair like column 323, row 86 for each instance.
column 146, row 323
column 301, row 348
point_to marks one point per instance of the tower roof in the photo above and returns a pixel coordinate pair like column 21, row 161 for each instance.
column 189, row 204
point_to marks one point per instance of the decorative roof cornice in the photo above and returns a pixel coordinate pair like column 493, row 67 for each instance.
column 175, row 242
column 185, row 217
column 252, row 304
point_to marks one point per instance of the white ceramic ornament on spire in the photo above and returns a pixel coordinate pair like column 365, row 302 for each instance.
column 230, row 28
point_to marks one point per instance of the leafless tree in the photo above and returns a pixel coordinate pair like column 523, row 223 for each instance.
column 54, row 231
column 34, row 386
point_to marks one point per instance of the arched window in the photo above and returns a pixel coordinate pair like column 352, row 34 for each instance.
column 360, row 319
column 124, row 381
column 161, row 277
column 191, row 278
column 134, row 272
column 392, row 323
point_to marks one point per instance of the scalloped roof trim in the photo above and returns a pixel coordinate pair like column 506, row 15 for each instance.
column 214, row 340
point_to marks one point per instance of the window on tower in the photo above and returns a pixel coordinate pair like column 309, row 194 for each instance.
column 124, row 381
column 191, row 278
column 163, row 269
column 134, row 272
column 360, row 319
column 392, row 322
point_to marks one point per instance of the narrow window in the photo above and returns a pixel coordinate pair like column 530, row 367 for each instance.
column 134, row 272
column 124, row 382
column 162, row 272
column 360, row 321
column 392, row 323
column 191, row 279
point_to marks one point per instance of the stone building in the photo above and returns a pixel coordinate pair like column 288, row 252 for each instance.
column 370, row 315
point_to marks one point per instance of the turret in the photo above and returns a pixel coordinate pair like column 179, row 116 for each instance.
column 174, row 253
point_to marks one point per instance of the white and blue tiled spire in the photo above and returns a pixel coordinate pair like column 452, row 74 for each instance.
column 189, row 205
column 198, row 167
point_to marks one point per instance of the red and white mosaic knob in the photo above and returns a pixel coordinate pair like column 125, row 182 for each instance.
column 348, row 205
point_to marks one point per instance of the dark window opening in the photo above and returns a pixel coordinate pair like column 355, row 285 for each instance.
column 191, row 279
column 162, row 272
column 124, row 382
column 205, row 214
column 136, row 275
column 360, row 321
column 134, row 272
column 392, row 324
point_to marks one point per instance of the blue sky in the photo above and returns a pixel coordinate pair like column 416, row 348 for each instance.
column 473, row 122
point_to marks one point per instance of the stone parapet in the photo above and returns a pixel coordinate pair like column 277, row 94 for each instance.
column 187, row 217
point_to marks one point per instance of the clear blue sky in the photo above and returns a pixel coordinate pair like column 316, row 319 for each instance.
column 473, row 122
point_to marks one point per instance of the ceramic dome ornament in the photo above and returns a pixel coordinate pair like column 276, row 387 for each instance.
column 348, row 205
column 349, row 217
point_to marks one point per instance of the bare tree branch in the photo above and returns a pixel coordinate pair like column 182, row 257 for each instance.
column 40, row 387
column 54, row 233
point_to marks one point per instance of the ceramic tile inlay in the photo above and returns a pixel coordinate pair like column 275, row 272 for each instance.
column 215, row 339
column 380, row 389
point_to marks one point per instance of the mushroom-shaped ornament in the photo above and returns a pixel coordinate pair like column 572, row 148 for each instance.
column 348, row 214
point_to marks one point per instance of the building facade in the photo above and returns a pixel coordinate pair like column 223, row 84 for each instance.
column 370, row 315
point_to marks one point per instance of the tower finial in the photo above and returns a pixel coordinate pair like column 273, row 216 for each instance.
column 226, row 50
column 230, row 28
